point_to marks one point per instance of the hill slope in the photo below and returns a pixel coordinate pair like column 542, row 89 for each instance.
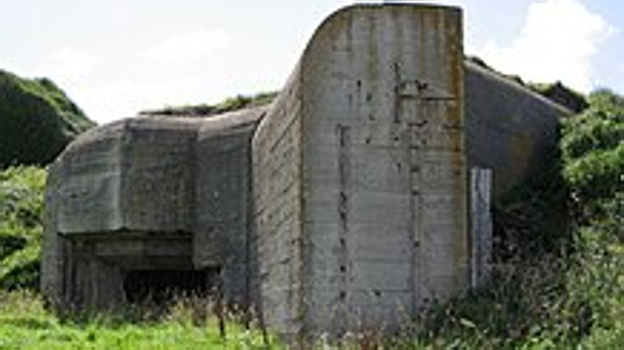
column 37, row 120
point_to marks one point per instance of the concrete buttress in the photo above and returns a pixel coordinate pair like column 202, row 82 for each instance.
column 359, row 170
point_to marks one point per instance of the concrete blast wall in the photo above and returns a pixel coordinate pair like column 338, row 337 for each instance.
column 359, row 200
column 222, row 187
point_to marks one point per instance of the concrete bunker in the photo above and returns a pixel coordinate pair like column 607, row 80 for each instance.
column 342, row 205
column 124, row 213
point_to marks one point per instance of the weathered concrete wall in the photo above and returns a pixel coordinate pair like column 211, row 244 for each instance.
column 222, row 187
column 509, row 128
column 277, row 226
column 155, row 193
column 133, row 175
column 359, row 174
column 109, row 190
column 52, row 245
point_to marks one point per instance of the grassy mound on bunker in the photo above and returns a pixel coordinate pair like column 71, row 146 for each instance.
column 206, row 110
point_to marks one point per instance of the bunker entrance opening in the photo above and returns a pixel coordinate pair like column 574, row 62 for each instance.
column 163, row 286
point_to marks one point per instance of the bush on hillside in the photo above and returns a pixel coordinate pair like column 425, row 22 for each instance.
column 593, row 150
column 37, row 120
column 593, row 147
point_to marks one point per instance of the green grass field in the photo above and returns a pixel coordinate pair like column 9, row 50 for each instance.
column 25, row 325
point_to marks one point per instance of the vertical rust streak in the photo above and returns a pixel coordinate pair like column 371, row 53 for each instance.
column 302, row 244
column 344, row 175
column 396, row 113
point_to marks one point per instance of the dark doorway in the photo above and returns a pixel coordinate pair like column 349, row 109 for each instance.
column 161, row 286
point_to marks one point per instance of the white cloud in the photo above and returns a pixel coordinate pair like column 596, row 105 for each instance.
column 173, row 70
column 123, row 98
column 558, row 41
column 68, row 64
column 188, row 46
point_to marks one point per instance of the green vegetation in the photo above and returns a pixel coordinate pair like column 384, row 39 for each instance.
column 21, row 221
column 556, row 286
column 37, row 120
column 26, row 325
column 229, row 105
column 593, row 149
column 562, row 95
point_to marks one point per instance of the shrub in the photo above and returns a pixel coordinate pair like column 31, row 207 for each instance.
column 21, row 222
column 546, row 295
column 593, row 150
column 37, row 120
column 593, row 147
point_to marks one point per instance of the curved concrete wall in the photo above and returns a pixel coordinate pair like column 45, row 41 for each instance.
column 359, row 174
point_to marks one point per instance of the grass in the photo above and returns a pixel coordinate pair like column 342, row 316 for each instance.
column 25, row 324
column 228, row 105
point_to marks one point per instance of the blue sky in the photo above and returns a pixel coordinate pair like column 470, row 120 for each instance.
column 117, row 57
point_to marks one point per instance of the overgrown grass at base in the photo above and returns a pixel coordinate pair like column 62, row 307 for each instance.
column 26, row 325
